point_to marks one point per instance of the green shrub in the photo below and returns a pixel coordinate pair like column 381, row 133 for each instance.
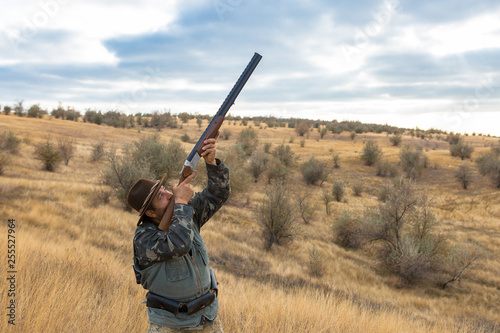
column 338, row 191
column 413, row 161
column 313, row 171
column 48, row 155
column 461, row 149
column 371, row 153
column 396, row 139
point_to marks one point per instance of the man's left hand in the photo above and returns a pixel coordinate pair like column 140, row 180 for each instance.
column 209, row 150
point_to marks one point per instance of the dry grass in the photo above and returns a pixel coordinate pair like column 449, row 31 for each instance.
column 74, row 258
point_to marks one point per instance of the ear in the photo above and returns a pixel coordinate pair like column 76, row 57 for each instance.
column 151, row 213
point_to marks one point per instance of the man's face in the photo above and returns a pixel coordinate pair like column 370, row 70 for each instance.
column 161, row 201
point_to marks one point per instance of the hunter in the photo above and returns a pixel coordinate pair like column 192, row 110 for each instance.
column 173, row 265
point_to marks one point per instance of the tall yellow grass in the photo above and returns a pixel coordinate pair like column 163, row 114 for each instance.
column 74, row 259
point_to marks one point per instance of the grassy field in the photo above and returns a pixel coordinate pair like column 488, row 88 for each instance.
column 73, row 258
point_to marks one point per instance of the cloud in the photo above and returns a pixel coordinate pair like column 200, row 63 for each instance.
column 392, row 60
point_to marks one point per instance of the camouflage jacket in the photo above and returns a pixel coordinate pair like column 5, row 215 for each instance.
column 175, row 263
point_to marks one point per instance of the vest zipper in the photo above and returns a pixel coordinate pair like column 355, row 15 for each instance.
column 197, row 274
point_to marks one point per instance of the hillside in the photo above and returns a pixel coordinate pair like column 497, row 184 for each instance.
column 73, row 257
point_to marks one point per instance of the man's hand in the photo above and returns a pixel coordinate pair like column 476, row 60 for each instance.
column 183, row 192
column 209, row 150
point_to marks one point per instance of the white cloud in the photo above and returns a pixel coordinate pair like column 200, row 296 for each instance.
column 82, row 27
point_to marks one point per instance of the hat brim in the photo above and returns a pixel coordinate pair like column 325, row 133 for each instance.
column 154, row 191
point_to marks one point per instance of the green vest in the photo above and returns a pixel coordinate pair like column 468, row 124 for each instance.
column 181, row 279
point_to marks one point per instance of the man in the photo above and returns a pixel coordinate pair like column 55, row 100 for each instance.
column 173, row 265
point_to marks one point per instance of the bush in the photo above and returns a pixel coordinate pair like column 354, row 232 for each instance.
column 316, row 266
column 396, row 139
column 277, row 171
column 461, row 149
column 302, row 128
column 285, row 155
column 185, row 138
column 277, row 216
column 489, row 165
column 413, row 161
column 225, row 133
column 358, row 187
column 336, row 160
column 386, row 169
column 161, row 158
column 48, row 155
column 327, row 198
column 338, row 191
column 122, row 172
column 66, row 147
column 258, row 163
column 9, row 142
column 248, row 141
column 234, row 158
column 313, row 171
column 7, row 109
column 403, row 226
column 97, row 151
column 464, row 175
column 371, row 153
column 348, row 228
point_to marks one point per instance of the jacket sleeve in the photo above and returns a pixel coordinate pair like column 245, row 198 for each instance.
column 207, row 202
column 152, row 244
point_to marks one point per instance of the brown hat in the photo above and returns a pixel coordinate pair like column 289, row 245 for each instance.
column 142, row 193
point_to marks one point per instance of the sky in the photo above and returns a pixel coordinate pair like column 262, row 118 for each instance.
column 407, row 63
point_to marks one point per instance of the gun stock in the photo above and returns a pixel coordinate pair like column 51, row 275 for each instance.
column 212, row 131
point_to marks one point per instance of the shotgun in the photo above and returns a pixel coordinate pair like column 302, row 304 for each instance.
column 212, row 131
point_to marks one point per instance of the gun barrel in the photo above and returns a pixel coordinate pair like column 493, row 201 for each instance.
column 216, row 122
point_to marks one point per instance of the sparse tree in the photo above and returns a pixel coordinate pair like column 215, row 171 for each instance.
column 461, row 258
column 305, row 206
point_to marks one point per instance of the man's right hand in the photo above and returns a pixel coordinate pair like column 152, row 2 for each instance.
column 183, row 192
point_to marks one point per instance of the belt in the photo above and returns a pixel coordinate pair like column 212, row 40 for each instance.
column 159, row 302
